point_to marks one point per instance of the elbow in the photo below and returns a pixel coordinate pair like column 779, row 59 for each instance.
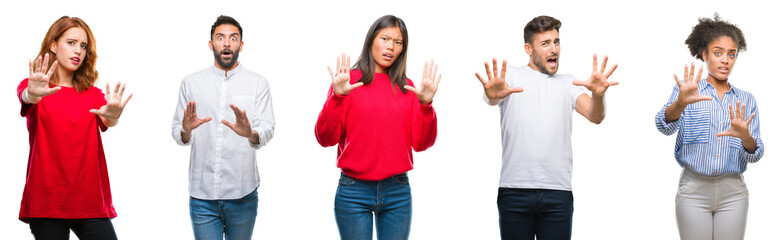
column 597, row 119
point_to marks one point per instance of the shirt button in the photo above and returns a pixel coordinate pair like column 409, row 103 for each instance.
column 716, row 172
column 721, row 123
column 717, row 155
column 719, row 139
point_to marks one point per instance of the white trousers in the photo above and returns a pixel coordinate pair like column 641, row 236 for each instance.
column 708, row 207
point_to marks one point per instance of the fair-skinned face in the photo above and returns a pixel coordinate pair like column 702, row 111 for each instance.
column 720, row 57
column 544, row 52
column 226, row 46
column 387, row 46
column 70, row 50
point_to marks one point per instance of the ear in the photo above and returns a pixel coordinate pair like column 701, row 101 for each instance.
column 211, row 46
column 704, row 56
column 241, row 44
column 53, row 47
column 528, row 49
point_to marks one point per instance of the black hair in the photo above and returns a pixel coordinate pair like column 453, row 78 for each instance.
column 366, row 63
column 540, row 24
column 708, row 30
column 223, row 19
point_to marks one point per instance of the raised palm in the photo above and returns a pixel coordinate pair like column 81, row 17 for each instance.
column 495, row 86
column 341, row 81
column 38, row 83
column 739, row 126
column 598, row 83
column 114, row 103
column 688, row 90
column 429, row 86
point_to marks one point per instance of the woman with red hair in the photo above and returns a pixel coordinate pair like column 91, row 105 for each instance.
column 67, row 185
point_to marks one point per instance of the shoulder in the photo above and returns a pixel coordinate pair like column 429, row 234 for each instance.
column 205, row 72
column 744, row 95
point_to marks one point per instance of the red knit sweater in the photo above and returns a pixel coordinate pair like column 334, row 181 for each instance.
column 375, row 127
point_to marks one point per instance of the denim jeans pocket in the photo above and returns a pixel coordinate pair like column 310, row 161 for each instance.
column 345, row 180
column 401, row 178
column 251, row 197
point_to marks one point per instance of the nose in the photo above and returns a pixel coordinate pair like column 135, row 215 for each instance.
column 227, row 42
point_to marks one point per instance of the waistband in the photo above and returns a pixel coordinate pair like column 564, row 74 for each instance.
column 688, row 173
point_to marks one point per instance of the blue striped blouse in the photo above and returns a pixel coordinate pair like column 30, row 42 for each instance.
column 697, row 145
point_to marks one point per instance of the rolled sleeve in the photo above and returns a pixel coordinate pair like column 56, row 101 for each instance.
column 661, row 120
column 182, row 102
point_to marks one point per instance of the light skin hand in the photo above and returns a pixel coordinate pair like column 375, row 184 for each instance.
column 688, row 93
column 496, row 88
column 242, row 126
column 191, row 121
column 111, row 112
column 429, row 86
column 598, row 83
column 342, row 79
column 739, row 127
column 38, row 83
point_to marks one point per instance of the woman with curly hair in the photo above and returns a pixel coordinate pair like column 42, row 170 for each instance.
column 67, row 185
column 718, row 135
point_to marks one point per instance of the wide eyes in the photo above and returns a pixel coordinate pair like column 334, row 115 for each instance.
column 220, row 38
column 731, row 55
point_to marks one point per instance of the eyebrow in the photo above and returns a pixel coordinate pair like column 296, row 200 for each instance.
column 232, row 34
column 396, row 39
column 721, row 48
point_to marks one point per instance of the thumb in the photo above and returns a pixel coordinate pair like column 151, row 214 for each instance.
column 207, row 119
column 410, row 88
column 578, row 83
column 516, row 90
column 95, row 111
column 54, row 89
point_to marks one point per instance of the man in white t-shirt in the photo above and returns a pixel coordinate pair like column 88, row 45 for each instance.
column 534, row 194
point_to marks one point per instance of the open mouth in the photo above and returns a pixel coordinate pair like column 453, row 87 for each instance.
column 226, row 53
column 724, row 69
column 552, row 61
column 75, row 60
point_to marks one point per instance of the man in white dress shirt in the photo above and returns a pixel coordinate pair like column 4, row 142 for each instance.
column 223, row 175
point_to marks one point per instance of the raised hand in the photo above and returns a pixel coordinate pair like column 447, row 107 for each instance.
column 739, row 127
column 688, row 89
column 341, row 81
column 495, row 86
column 114, row 103
column 242, row 126
column 38, row 83
column 190, row 120
column 598, row 83
column 427, row 89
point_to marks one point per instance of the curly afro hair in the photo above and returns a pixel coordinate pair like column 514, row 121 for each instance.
column 708, row 30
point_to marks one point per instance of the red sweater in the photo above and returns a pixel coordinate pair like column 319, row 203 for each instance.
column 66, row 169
column 375, row 127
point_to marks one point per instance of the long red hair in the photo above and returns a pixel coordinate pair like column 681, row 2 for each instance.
column 86, row 75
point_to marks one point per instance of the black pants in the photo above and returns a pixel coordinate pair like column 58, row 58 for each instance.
column 59, row 229
column 525, row 213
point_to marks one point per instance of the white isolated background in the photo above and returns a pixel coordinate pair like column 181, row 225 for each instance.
column 625, row 176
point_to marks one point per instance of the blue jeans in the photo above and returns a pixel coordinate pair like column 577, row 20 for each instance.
column 357, row 200
column 544, row 213
column 212, row 219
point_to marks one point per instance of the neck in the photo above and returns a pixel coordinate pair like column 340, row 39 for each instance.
column 380, row 69
column 721, row 85
column 64, row 77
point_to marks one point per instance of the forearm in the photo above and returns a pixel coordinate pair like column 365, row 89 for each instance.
column 596, row 112
column 749, row 144
column 185, row 135
column 254, row 137
column 674, row 111
column 27, row 98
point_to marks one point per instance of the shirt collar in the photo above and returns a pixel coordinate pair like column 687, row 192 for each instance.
column 704, row 84
column 224, row 74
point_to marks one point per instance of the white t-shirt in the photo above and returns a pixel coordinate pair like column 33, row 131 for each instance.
column 536, row 130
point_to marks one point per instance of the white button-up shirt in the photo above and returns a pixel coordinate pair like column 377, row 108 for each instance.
column 223, row 164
